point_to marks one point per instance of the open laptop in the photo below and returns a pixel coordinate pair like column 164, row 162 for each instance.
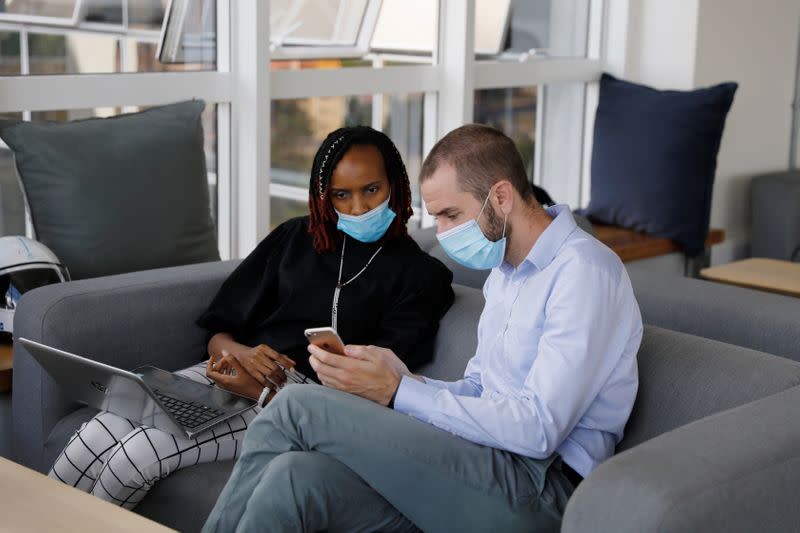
column 147, row 395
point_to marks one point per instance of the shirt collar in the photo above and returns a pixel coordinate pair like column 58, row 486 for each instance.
column 549, row 242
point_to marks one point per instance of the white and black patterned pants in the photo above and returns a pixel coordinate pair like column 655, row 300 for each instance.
column 119, row 461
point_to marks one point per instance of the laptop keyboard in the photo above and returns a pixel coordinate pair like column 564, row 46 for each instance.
column 189, row 414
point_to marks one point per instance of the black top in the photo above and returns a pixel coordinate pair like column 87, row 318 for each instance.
column 284, row 286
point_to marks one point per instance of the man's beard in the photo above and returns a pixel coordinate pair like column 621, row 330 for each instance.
column 494, row 229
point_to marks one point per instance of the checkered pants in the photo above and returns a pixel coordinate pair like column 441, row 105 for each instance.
column 119, row 461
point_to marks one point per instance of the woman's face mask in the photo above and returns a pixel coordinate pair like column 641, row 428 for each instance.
column 468, row 246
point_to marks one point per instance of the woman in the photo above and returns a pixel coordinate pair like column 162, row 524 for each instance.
column 350, row 264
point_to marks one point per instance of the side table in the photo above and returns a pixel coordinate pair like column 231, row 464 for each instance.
column 772, row 275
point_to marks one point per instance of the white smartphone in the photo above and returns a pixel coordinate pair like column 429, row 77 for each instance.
column 325, row 338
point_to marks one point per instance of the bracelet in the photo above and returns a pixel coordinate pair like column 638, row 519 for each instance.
column 262, row 400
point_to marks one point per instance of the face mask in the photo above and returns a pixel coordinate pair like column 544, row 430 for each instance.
column 368, row 227
column 468, row 246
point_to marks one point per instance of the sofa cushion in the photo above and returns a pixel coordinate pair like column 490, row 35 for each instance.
column 120, row 194
column 457, row 338
column 683, row 378
column 745, row 317
column 184, row 499
column 654, row 158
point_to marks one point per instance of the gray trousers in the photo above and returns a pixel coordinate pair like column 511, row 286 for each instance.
column 319, row 459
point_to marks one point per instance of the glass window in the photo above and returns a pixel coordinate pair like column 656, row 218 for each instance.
column 73, row 53
column 299, row 127
column 44, row 11
column 403, row 122
column 396, row 16
column 105, row 44
column 146, row 14
column 545, row 27
column 189, row 32
column 512, row 111
column 282, row 209
column 140, row 56
column 316, row 22
column 102, row 11
column 9, row 54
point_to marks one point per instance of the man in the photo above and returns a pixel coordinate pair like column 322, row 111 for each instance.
column 542, row 403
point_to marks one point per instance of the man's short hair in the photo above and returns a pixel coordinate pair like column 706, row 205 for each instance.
column 481, row 156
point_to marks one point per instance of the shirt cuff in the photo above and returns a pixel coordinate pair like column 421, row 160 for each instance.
column 413, row 397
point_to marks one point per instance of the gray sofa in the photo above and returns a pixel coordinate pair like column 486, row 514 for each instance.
column 713, row 442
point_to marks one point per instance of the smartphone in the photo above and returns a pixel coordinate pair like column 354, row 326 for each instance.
column 325, row 338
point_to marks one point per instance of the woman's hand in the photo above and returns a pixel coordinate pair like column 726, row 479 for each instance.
column 229, row 374
column 264, row 364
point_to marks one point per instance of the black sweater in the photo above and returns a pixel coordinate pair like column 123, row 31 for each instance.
column 284, row 286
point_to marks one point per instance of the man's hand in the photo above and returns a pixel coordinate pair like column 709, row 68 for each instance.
column 264, row 364
column 367, row 371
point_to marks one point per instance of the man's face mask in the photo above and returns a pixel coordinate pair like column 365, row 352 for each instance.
column 468, row 246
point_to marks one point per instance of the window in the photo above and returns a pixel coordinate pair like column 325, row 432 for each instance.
column 189, row 32
column 316, row 22
column 512, row 111
column 63, row 12
column 100, row 40
column 9, row 54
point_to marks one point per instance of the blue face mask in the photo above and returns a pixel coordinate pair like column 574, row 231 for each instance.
column 368, row 227
column 468, row 246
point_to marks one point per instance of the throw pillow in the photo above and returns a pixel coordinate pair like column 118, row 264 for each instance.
column 120, row 194
column 654, row 158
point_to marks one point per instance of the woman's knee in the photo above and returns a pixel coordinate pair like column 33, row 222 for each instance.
column 136, row 459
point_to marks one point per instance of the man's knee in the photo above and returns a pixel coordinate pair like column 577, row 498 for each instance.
column 305, row 474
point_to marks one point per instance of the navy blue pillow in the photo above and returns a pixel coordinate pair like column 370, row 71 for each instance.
column 654, row 158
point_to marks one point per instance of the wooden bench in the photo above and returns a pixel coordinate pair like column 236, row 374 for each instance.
column 632, row 245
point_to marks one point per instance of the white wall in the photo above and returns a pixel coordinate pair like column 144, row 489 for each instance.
column 694, row 43
column 755, row 44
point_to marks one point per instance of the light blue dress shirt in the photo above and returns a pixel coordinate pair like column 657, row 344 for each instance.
column 555, row 368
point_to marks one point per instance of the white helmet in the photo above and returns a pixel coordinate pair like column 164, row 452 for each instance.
column 24, row 265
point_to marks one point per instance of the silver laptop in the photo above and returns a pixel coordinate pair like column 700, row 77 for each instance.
column 147, row 395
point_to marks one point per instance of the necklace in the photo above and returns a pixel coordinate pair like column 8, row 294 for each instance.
column 339, row 284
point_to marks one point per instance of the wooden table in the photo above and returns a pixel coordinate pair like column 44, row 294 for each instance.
column 631, row 245
column 30, row 501
column 773, row 275
column 6, row 364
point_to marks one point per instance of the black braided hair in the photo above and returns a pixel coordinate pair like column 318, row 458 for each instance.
column 323, row 218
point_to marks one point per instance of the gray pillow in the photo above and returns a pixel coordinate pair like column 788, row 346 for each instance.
column 118, row 194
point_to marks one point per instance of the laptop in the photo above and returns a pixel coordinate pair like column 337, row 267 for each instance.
column 147, row 395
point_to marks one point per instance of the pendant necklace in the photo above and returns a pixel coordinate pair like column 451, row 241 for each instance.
column 339, row 284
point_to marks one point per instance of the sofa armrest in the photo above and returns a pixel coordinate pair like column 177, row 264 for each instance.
column 126, row 320
column 734, row 471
